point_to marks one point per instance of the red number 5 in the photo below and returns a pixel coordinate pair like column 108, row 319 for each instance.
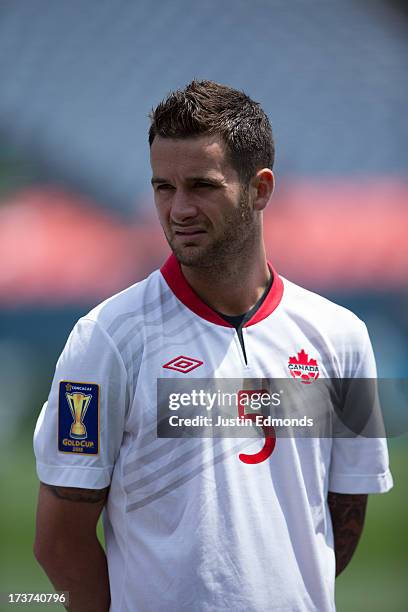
column 269, row 431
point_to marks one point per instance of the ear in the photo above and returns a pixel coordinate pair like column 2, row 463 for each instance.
column 263, row 184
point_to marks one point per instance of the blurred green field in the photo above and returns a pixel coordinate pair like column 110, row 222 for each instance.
column 376, row 579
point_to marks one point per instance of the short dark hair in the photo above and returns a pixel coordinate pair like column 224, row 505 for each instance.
column 206, row 107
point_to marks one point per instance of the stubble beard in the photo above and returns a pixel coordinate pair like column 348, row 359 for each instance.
column 240, row 231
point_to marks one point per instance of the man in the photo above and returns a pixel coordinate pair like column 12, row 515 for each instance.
column 193, row 524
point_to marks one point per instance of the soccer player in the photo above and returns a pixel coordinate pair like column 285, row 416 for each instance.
column 195, row 523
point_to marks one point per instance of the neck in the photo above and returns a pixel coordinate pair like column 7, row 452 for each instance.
column 232, row 287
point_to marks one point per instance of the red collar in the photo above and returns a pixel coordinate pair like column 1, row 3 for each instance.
column 174, row 277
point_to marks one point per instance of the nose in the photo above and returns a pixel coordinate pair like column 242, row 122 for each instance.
column 182, row 207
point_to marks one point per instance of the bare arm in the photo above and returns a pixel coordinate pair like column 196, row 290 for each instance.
column 67, row 547
column 347, row 514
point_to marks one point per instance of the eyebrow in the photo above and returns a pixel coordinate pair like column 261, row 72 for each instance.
column 206, row 179
column 214, row 181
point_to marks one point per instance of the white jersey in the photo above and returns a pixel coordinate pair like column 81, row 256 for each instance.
column 189, row 526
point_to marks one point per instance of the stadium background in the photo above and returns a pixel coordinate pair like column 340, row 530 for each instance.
column 76, row 214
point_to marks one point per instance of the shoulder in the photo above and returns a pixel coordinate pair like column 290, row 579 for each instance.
column 131, row 304
column 338, row 336
column 308, row 305
column 118, row 321
column 326, row 322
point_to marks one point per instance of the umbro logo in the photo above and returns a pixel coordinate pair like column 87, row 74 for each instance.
column 183, row 364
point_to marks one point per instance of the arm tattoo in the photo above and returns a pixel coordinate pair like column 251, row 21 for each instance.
column 347, row 513
column 90, row 496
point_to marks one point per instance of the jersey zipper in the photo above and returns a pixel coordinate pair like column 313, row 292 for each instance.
column 241, row 348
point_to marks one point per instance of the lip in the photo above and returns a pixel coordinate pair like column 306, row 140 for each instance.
column 189, row 232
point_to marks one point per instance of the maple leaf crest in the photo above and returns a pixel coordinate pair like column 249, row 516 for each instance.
column 304, row 369
column 302, row 359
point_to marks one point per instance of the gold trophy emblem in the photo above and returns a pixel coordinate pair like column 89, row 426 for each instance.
column 78, row 404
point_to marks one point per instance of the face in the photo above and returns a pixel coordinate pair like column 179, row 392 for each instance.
column 204, row 210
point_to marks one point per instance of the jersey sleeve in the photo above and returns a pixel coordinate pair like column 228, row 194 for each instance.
column 360, row 464
column 80, row 428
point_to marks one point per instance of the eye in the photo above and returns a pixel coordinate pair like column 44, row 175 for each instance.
column 203, row 184
column 163, row 187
